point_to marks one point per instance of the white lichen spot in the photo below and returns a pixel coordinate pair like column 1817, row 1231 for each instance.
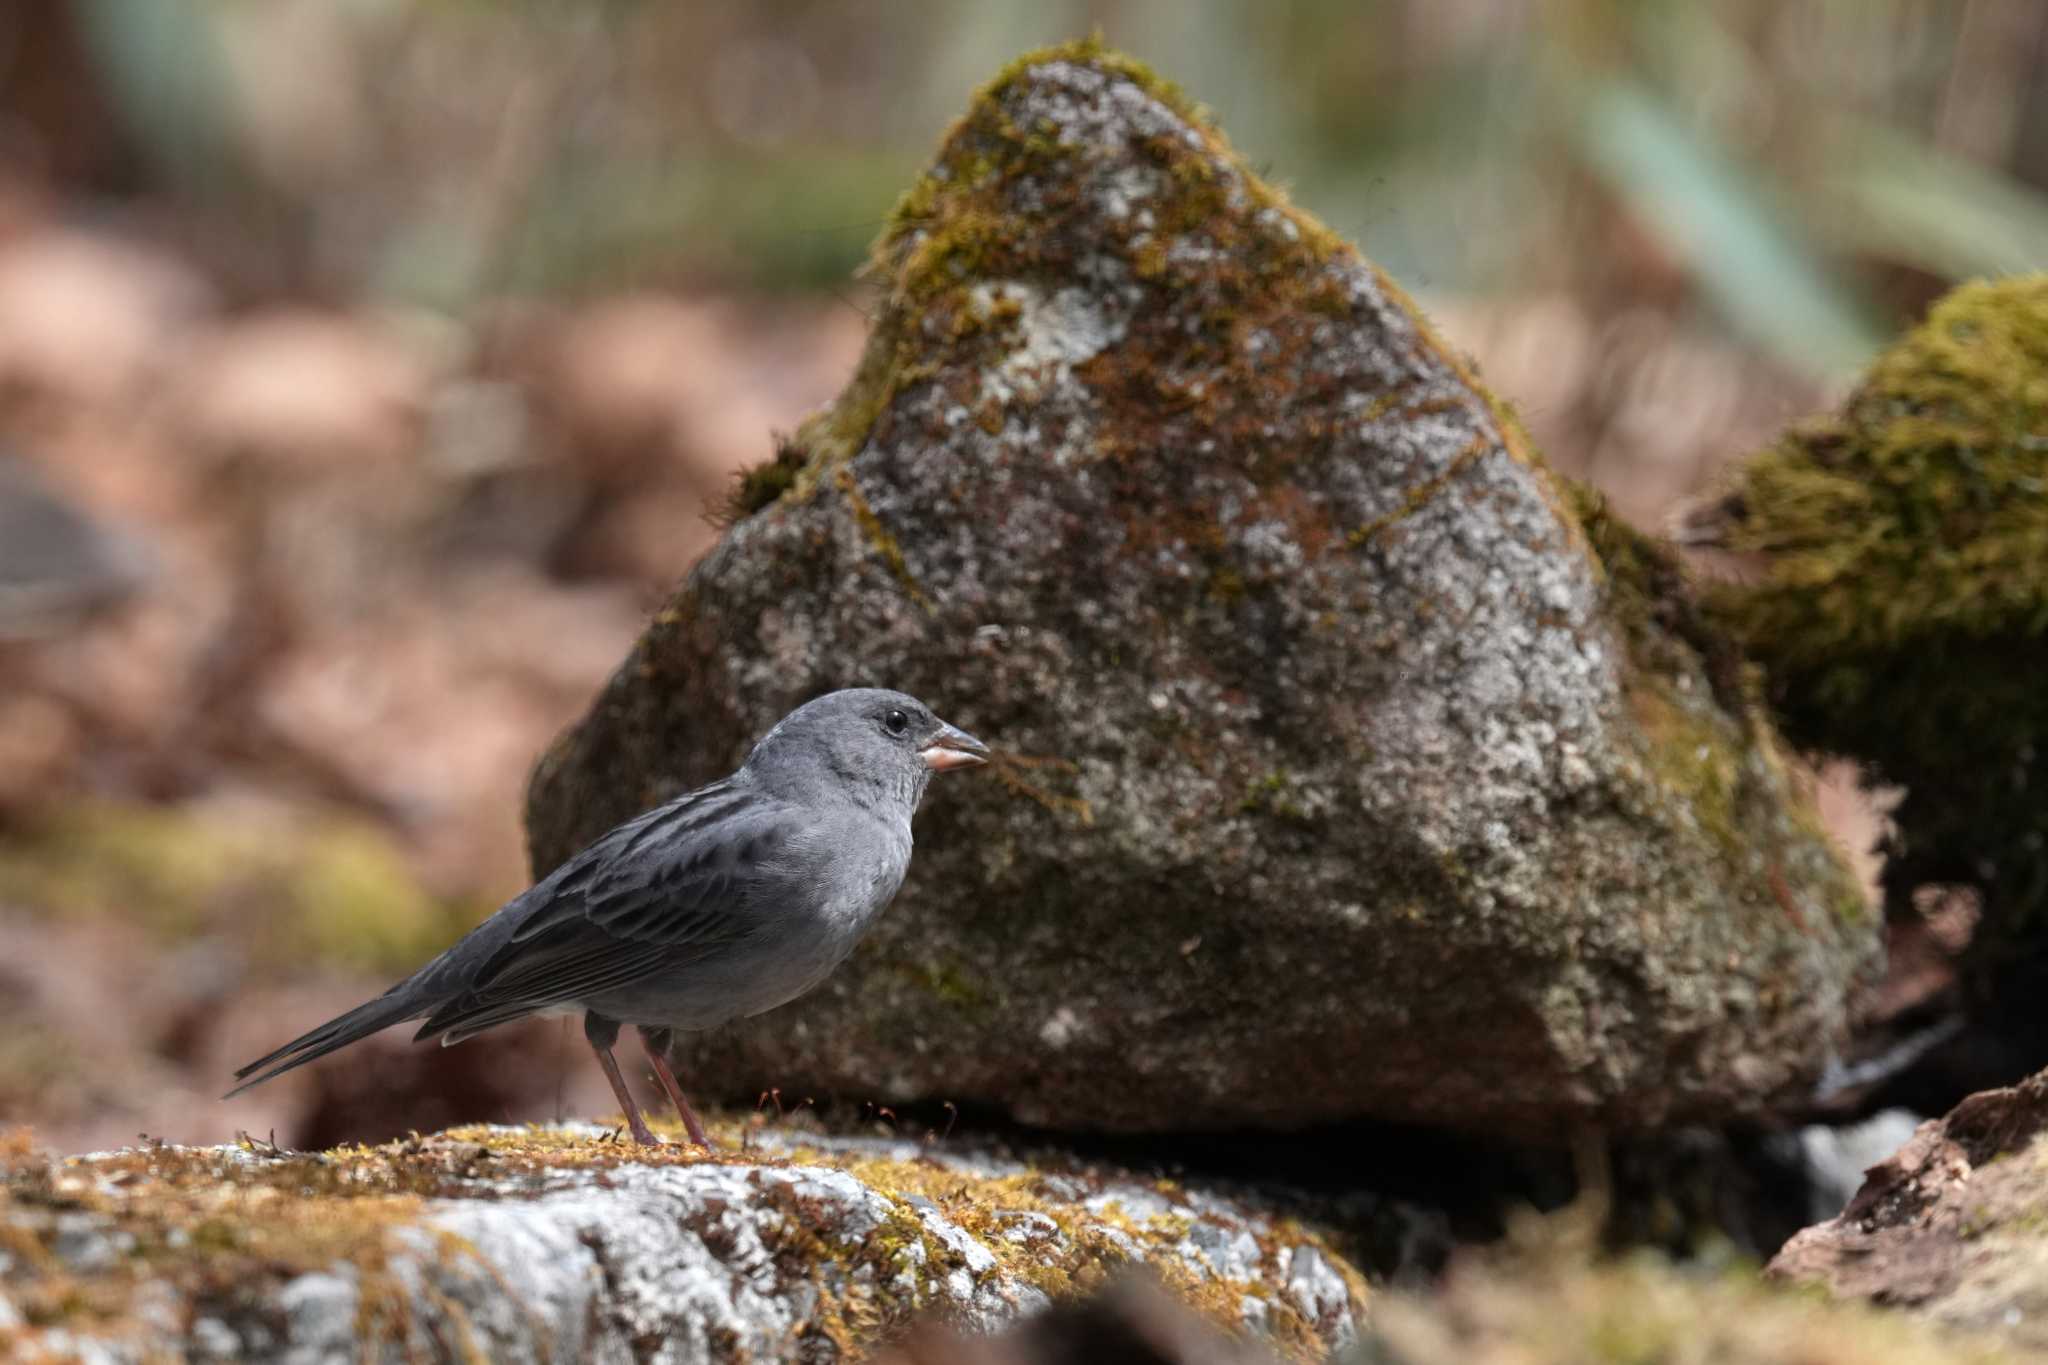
column 320, row 1315
column 1320, row 1295
column 1274, row 221
column 1065, row 330
column 1060, row 1027
column 1270, row 547
column 1126, row 188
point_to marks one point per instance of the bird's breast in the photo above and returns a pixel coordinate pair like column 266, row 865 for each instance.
column 833, row 898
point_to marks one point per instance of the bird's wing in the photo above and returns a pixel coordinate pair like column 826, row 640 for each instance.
column 678, row 877
column 655, row 892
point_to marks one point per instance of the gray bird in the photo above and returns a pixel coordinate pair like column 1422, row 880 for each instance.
column 725, row 902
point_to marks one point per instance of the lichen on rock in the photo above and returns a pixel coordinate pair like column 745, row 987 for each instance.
column 559, row 1244
column 1338, row 773
column 1900, row 598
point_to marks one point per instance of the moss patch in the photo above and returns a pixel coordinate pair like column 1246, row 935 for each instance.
column 225, row 1228
column 218, row 1230
column 1708, row 741
column 1043, row 1234
column 1902, row 605
column 1920, row 509
column 756, row 486
column 960, row 226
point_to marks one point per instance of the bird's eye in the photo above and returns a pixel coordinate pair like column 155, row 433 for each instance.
column 896, row 722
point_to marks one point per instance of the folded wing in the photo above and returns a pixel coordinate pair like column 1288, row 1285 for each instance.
column 648, row 898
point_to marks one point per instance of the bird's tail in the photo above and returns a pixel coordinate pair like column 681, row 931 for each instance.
column 400, row 1003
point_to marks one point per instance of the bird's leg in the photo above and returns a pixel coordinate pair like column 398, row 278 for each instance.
column 603, row 1033
column 656, row 1043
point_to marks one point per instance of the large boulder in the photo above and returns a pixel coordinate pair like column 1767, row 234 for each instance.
column 531, row 1244
column 1953, row 1226
column 1350, row 764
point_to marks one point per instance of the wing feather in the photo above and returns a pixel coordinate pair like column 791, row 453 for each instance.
column 652, row 895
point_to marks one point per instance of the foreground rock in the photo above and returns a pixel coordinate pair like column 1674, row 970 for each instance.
column 1348, row 766
column 1954, row 1226
column 556, row 1244
column 1542, row 1301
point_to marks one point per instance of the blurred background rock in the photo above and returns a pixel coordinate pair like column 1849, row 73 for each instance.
column 367, row 370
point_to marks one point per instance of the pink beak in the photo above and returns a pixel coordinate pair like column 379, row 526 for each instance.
column 952, row 748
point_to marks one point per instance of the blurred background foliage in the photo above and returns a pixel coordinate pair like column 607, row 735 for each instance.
column 367, row 368
column 1807, row 173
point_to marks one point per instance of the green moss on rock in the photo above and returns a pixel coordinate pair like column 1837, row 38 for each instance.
column 445, row 1240
column 1919, row 510
column 1707, row 736
column 958, row 228
column 204, row 1223
column 1901, row 603
column 756, row 486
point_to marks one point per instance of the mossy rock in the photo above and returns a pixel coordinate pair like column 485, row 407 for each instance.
column 561, row 1244
column 1350, row 764
column 1901, row 603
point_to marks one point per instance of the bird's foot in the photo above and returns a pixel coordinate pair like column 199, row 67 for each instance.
column 656, row 1043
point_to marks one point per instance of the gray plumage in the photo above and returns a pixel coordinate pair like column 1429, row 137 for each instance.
column 723, row 903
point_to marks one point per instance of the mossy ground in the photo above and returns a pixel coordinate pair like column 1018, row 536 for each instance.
column 1083, row 1255
column 224, row 1228
column 1901, row 609
column 219, row 1230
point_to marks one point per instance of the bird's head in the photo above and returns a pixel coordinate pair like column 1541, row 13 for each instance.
column 863, row 739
